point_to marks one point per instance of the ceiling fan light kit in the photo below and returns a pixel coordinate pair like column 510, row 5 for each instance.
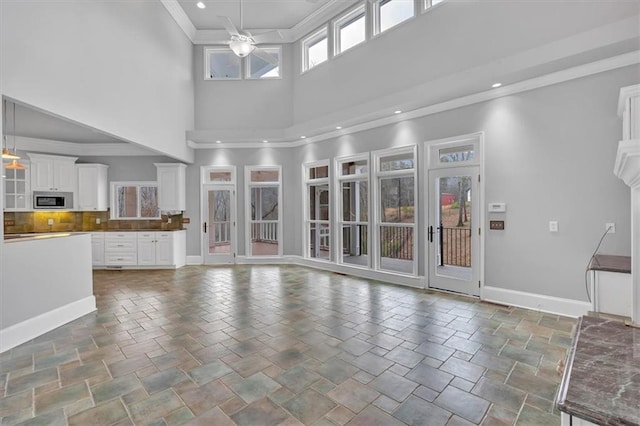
column 241, row 45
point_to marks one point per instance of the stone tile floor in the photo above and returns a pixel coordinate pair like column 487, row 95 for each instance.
column 267, row 345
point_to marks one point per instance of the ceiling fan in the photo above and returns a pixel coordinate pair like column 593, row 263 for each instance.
column 242, row 42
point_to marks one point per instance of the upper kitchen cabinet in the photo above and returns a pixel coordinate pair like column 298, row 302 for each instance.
column 16, row 188
column 93, row 189
column 53, row 173
column 171, row 186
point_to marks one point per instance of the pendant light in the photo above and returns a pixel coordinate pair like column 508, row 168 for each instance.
column 15, row 165
column 6, row 153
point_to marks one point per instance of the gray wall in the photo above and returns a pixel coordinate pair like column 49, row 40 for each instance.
column 245, row 104
column 549, row 156
column 129, row 168
column 451, row 38
column 121, row 67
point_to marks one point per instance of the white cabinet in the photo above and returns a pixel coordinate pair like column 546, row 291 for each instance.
column 146, row 248
column 165, row 253
column 16, row 186
column 92, row 187
column 171, row 186
column 97, row 248
column 53, row 173
column 141, row 249
column 162, row 248
column 120, row 249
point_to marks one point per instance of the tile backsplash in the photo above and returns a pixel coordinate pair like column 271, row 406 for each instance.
column 27, row 222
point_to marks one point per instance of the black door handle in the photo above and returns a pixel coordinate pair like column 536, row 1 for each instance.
column 205, row 227
column 431, row 234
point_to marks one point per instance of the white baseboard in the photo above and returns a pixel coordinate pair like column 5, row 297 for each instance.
column 405, row 280
column 24, row 331
column 266, row 260
column 536, row 302
column 194, row 260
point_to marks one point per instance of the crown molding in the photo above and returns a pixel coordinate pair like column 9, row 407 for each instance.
column 178, row 14
column 290, row 136
column 627, row 166
column 82, row 149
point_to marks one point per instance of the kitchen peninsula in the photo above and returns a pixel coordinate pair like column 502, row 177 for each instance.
column 47, row 281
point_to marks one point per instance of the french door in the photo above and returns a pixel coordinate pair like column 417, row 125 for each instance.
column 219, row 224
column 453, row 229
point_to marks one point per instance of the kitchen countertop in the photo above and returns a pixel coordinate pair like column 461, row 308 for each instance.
column 39, row 235
column 13, row 238
column 610, row 263
column 601, row 381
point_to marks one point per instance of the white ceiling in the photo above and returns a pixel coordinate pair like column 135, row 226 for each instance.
column 257, row 14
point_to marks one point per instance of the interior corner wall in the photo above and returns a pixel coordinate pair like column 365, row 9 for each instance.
column 124, row 68
column 549, row 155
column 244, row 104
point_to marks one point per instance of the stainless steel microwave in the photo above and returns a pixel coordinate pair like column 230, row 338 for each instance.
column 52, row 200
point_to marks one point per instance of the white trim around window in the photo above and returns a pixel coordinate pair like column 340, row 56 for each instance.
column 220, row 50
column 322, row 208
column 116, row 201
column 269, row 50
column 309, row 42
column 352, row 175
column 378, row 20
column 269, row 230
column 351, row 17
column 396, row 251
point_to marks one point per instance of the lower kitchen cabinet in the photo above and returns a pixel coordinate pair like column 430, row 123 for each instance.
column 120, row 249
column 140, row 249
column 97, row 248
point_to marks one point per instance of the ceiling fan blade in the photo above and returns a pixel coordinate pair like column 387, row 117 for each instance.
column 228, row 25
column 269, row 36
column 267, row 57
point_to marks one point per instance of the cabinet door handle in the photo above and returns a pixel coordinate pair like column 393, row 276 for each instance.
column 205, row 227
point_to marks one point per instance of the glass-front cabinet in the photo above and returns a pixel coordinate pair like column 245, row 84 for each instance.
column 16, row 188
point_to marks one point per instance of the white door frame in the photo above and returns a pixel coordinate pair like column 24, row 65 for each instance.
column 432, row 160
column 443, row 281
column 207, row 184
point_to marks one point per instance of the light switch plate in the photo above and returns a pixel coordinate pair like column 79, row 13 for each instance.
column 553, row 226
column 97, row 221
column 49, row 222
column 497, row 207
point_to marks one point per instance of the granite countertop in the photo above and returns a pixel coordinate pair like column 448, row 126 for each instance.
column 610, row 263
column 601, row 381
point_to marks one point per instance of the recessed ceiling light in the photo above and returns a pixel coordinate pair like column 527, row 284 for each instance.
column 201, row 5
column 397, row 111
column 303, row 137
column 338, row 127
column 218, row 141
column 494, row 85
column 265, row 141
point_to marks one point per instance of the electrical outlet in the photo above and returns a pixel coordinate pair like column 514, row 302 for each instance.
column 169, row 220
column 553, row 226
column 97, row 221
column 49, row 222
column 610, row 227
